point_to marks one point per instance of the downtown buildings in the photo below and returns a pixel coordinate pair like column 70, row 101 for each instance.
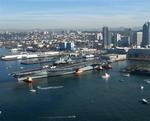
column 146, row 35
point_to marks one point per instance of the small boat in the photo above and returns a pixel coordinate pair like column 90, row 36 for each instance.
column 141, row 87
column 105, row 76
column 144, row 101
column 126, row 75
column 0, row 112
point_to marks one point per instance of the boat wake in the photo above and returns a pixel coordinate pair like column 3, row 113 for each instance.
column 147, row 80
column 126, row 75
column 60, row 117
column 51, row 87
column 32, row 90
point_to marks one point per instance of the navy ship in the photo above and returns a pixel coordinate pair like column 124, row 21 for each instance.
column 56, row 70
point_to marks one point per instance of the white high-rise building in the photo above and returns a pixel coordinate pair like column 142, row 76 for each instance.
column 99, row 36
column 139, row 36
column 117, row 37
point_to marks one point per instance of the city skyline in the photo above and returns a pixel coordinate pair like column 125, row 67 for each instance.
column 51, row 14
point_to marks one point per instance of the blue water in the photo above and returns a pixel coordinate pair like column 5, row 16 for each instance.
column 86, row 97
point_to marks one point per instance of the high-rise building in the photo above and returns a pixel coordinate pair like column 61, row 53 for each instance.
column 146, row 35
column 117, row 38
column 70, row 46
column 63, row 45
column 99, row 36
column 130, row 38
column 139, row 36
column 106, row 38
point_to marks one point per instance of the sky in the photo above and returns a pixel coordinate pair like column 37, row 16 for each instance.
column 73, row 14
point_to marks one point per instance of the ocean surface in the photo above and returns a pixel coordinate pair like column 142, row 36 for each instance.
column 86, row 97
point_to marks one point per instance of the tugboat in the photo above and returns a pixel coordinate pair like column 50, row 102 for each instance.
column 28, row 80
column 107, row 66
column 100, row 68
column 83, row 69
column 78, row 71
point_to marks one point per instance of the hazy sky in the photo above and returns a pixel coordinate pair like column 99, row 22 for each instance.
column 27, row 14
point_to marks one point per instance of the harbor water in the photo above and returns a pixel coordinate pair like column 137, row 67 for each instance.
column 84, row 97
